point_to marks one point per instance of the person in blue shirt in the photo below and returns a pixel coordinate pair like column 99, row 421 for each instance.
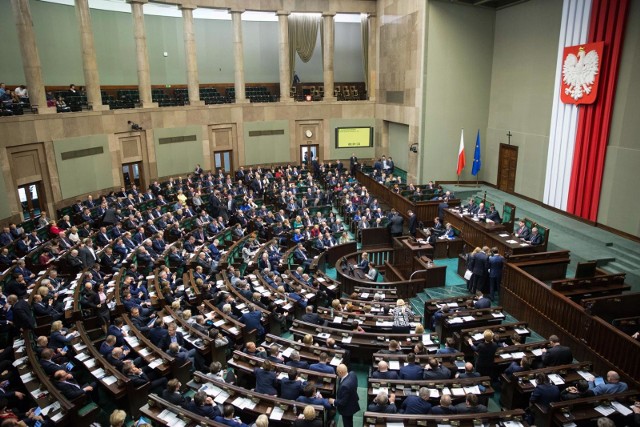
column 613, row 385
column 310, row 396
column 449, row 347
column 450, row 232
column 322, row 366
column 291, row 387
column 383, row 372
column 266, row 379
column 253, row 320
column 294, row 360
column 524, row 365
column 417, row 404
column 412, row 370
column 228, row 417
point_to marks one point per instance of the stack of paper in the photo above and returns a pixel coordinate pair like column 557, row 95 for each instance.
column 276, row 413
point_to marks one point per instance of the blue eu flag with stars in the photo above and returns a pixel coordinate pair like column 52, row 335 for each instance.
column 476, row 157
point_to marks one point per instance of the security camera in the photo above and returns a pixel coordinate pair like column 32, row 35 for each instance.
column 134, row 126
column 413, row 148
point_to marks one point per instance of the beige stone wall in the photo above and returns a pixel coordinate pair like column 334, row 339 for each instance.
column 401, row 26
column 218, row 127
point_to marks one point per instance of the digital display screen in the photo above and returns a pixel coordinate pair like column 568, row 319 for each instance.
column 354, row 137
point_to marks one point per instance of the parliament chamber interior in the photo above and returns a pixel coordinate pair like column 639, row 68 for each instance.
column 319, row 213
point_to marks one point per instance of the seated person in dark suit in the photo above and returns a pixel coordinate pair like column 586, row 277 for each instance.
column 49, row 366
column 557, row 354
column 493, row 214
column 445, row 407
column 291, row 387
column 470, row 405
column 322, row 366
column 412, row 370
column 522, row 231
column 266, row 379
column 310, row 317
column 310, row 396
column 580, row 390
column 203, row 405
column 469, row 371
column 383, row 403
column 545, row 392
column 523, row 365
column 394, row 348
column 383, row 372
column 417, row 404
column 481, row 301
column 228, row 417
column 534, row 238
column 253, row 320
column 294, row 360
column 172, row 393
column 449, row 347
column 65, row 382
column 274, row 353
column 434, row 370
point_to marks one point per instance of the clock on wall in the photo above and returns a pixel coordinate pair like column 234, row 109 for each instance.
column 308, row 133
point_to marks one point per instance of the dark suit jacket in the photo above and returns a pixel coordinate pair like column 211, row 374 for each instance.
column 462, row 408
column 312, row 318
column 70, row 392
column 23, row 316
column 545, row 394
column 290, row 389
column 479, row 264
column 347, row 396
column 496, row 262
column 558, row 355
column 413, row 224
column 395, row 224
column 84, row 254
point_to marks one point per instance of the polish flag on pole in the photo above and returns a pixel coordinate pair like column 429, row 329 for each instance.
column 461, row 158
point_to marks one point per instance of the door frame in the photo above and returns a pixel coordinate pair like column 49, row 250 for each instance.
column 221, row 152
column 42, row 198
column 302, row 147
column 140, row 174
column 504, row 146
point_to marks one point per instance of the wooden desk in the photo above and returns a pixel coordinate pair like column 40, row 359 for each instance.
column 377, row 419
column 582, row 411
column 479, row 234
column 264, row 403
column 157, row 405
column 517, row 389
column 481, row 317
column 310, row 353
column 362, row 345
column 244, row 364
column 404, row 388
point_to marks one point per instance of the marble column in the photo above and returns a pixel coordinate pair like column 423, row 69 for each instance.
column 373, row 57
column 238, row 56
column 285, row 71
column 193, row 83
column 142, row 57
column 327, row 56
column 89, row 63
column 30, row 57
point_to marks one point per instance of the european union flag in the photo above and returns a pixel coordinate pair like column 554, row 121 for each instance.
column 476, row 157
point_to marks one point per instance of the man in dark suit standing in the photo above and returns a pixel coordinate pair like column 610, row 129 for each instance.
column 22, row 314
column 347, row 397
column 413, row 222
column 353, row 164
column 496, row 262
column 395, row 223
column 87, row 254
column 557, row 354
column 479, row 268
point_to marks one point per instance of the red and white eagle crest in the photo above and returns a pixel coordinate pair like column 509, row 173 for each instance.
column 580, row 73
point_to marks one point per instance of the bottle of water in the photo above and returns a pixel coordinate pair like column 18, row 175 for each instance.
column 295, row 409
column 332, row 312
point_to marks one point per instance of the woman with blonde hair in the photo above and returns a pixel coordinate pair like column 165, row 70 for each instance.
column 308, row 418
column 117, row 418
column 402, row 316
column 419, row 329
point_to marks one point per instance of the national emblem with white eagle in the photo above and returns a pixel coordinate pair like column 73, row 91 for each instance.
column 580, row 73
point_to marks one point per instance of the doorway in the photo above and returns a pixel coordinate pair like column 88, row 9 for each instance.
column 507, row 165
column 132, row 175
column 222, row 160
column 32, row 199
column 308, row 153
